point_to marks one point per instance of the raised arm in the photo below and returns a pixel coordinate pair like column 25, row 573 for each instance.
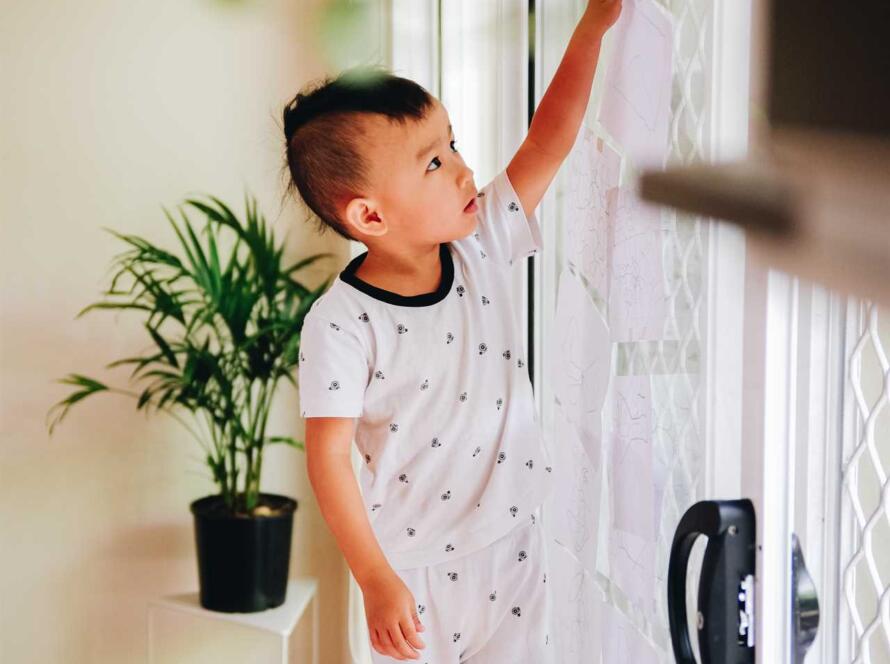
column 558, row 117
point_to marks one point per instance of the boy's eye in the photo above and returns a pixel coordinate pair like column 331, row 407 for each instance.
column 437, row 159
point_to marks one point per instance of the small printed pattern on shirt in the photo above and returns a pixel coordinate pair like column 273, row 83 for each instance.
column 447, row 427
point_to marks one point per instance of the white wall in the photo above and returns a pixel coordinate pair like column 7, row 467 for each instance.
column 109, row 111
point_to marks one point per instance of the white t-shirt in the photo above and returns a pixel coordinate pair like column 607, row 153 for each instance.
column 454, row 456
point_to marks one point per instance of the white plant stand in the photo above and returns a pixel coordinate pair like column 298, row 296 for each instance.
column 180, row 630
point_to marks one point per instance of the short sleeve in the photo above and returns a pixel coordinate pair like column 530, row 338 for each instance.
column 503, row 230
column 333, row 370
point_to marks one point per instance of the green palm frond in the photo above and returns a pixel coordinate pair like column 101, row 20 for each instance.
column 224, row 315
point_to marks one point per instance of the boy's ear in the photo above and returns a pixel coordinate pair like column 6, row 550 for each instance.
column 362, row 217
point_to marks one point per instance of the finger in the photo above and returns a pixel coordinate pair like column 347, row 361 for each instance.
column 419, row 626
column 375, row 640
column 388, row 646
column 402, row 647
column 410, row 632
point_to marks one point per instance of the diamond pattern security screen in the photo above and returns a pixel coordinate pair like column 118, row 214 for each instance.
column 609, row 582
column 865, row 498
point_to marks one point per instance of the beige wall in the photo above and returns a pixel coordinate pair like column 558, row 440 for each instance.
column 109, row 111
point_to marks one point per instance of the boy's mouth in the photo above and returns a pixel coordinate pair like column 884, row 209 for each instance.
column 471, row 206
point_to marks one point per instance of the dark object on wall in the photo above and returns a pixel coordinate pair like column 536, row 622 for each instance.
column 829, row 65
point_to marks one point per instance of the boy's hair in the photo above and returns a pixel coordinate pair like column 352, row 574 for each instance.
column 323, row 132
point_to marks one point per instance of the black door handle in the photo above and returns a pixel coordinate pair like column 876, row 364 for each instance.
column 725, row 593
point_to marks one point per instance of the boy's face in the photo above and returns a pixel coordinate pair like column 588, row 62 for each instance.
column 418, row 195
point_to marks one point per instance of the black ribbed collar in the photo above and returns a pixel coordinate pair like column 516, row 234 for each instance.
column 421, row 300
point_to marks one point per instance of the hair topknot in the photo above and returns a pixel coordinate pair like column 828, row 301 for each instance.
column 323, row 134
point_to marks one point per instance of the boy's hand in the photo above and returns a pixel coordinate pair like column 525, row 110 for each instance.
column 392, row 617
column 603, row 13
column 554, row 127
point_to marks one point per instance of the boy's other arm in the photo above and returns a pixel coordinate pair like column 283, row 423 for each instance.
column 329, row 467
column 557, row 119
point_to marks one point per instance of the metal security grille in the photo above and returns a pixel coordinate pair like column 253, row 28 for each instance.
column 865, row 500
column 674, row 360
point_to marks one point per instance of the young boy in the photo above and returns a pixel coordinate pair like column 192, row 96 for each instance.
column 416, row 352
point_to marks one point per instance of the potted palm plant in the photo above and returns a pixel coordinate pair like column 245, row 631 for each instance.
column 231, row 332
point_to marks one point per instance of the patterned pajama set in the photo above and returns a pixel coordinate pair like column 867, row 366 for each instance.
column 455, row 464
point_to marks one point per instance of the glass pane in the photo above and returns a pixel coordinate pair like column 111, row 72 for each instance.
column 624, row 307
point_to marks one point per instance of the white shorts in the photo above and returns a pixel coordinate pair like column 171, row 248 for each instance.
column 492, row 606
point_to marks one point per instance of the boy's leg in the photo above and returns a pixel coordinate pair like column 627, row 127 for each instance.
column 523, row 635
column 433, row 600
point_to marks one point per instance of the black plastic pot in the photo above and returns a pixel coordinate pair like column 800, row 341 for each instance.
column 243, row 561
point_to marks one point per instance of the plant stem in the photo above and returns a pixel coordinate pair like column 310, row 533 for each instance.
column 262, row 436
